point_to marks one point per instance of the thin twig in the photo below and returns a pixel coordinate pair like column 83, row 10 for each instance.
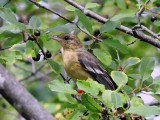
column 120, row 67
column 15, row 65
column 31, row 73
column 6, row 3
column 72, row 22
column 139, row 34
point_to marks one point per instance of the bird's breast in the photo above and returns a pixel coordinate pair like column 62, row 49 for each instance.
column 73, row 67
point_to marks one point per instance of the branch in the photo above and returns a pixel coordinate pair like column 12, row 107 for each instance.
column 136, row 34
column 20, row 98
column 66, row 19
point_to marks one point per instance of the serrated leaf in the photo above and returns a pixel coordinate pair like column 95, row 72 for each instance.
column 65, row 97
column 34, row 22
column 59, row 86
column 145, row 110
column 7, row 15
column 157, row 23
column 18, row 47
column 156, row 96
column 146, row 68
column 106, row 98
column 93, row 117
column 109, row 26
column 121, row 4
column 116, row 44
column 70, row 8
column 116, row 99
column 122, row 15
column 29, row 48
column 157, row 80
column 103, row 56
column 67, row 28
column 136, row 101
column 85, row 86
column 120, row 78
column 55, row 66
column 7, row 27
column 84, row 20
column 91, row 5
column 90, row 103
column 131, row 61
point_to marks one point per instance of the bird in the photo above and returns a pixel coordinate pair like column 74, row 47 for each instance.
column 80, row 64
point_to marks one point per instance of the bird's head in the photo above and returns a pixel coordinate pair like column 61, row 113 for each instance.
column 68, row 41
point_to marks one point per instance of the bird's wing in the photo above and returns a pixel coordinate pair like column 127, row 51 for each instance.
column 91, row 65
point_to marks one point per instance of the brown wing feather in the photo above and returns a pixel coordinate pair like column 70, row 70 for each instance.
column 91, row 65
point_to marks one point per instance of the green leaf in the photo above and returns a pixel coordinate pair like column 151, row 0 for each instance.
column 131, row 61
column 84, row 20
column 7, row 27
column 91, row 5
column 116, row 44
column 67, row 28
column 59, row 86
column 120, row 78
column 65, row 97
column 91, row 104
column 103, row 56
column 70, row 8
column 18, row 47
column 29, row 48
column 146, row 68
column 89, row 87
column 34, row 22
column 55, row 66
column 93, row 117
column 106, row 98
column 157, row 23
column 156, row 96
column 116, row 99
column 157, row 80
column 144, row 110
column 136, row 101
column 7, row 15
column 109, row 26
column 122, row 15
column 121, row 4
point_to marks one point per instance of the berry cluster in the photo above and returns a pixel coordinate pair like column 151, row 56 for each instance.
column 37, row 33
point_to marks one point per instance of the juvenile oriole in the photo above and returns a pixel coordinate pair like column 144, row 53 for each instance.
column 80, row 64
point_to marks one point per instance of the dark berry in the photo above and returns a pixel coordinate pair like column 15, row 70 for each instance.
column 105, row 118
column 125, row 105
column 79, row 90
column 103, row 37
column 31, row 38
column 37, row 33
column 48, row 54
column 101, row 104
column 122, row 117
column 153, row 18
column 37, row 58
column 86, row 39
column 104, row 110
column 96, row 32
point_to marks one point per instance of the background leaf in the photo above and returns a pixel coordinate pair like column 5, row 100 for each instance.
column 55, row 66
column 91, row 104
column 59, row 86
column 120, row 78
column 84, row 20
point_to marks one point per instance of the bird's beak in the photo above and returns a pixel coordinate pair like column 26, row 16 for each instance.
column 55, row 38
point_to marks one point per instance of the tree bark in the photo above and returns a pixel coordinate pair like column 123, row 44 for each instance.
column 20, row 98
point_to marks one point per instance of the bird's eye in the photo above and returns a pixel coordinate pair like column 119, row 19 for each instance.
column 66, row 37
